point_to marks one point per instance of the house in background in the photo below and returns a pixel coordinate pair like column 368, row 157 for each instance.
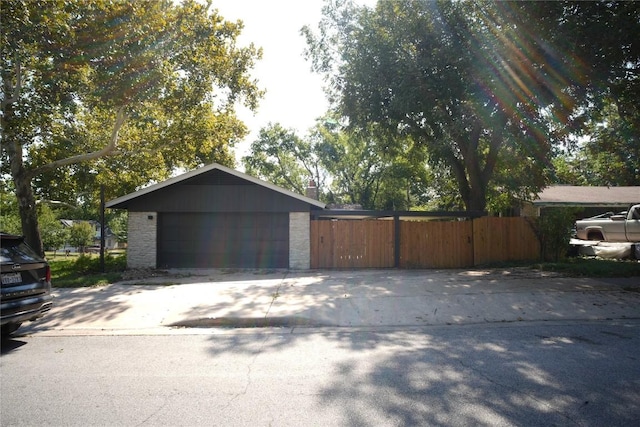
column 590, row 200
column 110, row 239
column 216, row 217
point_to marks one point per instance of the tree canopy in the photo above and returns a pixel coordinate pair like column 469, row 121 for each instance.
column 115, row 93
column 488, row 87
column 281, row 157
column 349, row 167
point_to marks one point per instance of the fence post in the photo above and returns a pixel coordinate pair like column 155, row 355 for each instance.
column 396, row 238
column 473, row 243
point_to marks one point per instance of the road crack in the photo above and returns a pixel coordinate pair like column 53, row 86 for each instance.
column 248, row 381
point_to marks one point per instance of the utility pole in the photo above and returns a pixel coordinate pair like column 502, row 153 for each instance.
column 102, row 228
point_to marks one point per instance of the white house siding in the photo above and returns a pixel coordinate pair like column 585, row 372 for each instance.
column 142, row 236
column 299, row 241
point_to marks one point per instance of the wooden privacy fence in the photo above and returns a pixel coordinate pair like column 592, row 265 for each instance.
column 421, row 244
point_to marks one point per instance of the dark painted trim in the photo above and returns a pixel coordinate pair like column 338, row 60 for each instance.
column 334, row 214
column 397, row 236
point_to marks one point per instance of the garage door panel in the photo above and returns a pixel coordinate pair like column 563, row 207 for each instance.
column 218, row 240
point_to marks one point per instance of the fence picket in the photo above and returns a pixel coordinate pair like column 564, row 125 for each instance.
column 423, row 244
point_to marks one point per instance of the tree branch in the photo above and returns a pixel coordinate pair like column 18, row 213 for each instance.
column 109, row 149
column 15, row 90
column 495, row 144
column 459, row 172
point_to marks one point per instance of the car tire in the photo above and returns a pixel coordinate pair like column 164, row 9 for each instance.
column 597, row 236
column 9, row 328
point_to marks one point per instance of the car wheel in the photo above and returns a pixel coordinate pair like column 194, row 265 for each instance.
column 595, row 236
column 9, row 328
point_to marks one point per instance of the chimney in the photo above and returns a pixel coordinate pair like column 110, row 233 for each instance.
column 312, row 190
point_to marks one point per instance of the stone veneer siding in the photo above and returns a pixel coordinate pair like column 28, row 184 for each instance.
column 299, row 241
column 142, row 240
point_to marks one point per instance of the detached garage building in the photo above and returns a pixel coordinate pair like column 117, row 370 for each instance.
column 216, row 217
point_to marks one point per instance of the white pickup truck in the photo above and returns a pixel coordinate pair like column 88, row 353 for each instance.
column 609, row 227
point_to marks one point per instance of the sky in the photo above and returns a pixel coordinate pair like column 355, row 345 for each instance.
column 294, row 95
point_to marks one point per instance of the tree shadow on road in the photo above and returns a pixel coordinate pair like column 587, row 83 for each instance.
column 467, row 375
column 81, row 306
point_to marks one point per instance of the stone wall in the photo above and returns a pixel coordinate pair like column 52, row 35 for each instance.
column 299, row 241
column 142, row 241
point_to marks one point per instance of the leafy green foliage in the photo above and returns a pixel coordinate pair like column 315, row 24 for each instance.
column 364, row 170
column 282, row 158
column 554, row 228
column 115, row 93
column 91, row 264
column 81, row 234
column 447, row 75
column 488, row 88
column 585, row 267
column 85, row 270
column 609, row 156
column 9, row 217
column 349, row 167
column 118, row 225
column 54, row 234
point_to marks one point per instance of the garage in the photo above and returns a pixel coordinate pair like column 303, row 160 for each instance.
column 217, row 217
column 216, row 240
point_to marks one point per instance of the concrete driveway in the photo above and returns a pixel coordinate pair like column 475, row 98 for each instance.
column 171, row 302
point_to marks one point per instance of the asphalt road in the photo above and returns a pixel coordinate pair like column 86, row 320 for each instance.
column 583, row 373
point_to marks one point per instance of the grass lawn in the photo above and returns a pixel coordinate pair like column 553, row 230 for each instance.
column 591, row 267
column 74, row 270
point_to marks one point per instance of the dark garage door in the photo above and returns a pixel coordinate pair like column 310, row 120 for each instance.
column 222, row 240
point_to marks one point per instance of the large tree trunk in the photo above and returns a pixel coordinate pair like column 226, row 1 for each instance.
column 21, row 179
column 472, row 171
column 28, row 212
column 24, row 194
column 22, row 176
column 477, row 201
column 471, row 184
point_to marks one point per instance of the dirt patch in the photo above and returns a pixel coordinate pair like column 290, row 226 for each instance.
column 143, row 273
column 248, row 322
column 509, row 273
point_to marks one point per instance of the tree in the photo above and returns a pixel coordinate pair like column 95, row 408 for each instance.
column 118, row 225
column 9, row 218
column 348, row 167
column 553, row 229
column 485, row 87
column 81, row 235
column 284, row 159
column 605, row 37
column 54, row 234
column 365, row 171
column 611, row 153
column 116, row 93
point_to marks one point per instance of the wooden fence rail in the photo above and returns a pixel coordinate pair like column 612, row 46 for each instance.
column 422, row 244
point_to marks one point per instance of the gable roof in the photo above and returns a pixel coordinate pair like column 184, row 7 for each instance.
column 116, row 203
column 574, row 195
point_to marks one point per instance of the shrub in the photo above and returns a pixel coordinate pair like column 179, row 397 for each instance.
column 81, row 235
column 87, row 264
column 554, row 228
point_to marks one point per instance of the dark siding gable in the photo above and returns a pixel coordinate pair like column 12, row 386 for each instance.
column 185, row 197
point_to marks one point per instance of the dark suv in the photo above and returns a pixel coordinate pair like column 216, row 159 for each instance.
column 26, row 283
